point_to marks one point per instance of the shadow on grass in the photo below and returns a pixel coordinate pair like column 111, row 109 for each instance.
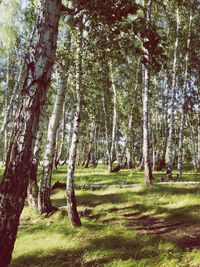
column 117, row 245
column 26, row 229
column 98, row 252
column 92, row 199
column 105, row 249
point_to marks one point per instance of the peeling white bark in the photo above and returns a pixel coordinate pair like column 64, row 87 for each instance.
column 173, row 93
column 114, row 118
column 13, row 187
column 54, row 122
column 146, row 113
column 71, row 198
column 182, row 110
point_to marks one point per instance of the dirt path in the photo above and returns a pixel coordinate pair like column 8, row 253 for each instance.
column 185, row 235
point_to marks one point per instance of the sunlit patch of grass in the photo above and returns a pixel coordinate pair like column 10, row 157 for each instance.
column 105, row 239
column 100, row 175
column 192, row 258
column 117, row 224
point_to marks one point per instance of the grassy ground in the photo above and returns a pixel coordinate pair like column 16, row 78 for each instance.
column 121, row 227
column 100, row 175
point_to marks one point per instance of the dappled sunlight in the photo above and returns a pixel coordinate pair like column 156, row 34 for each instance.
column 136, row 226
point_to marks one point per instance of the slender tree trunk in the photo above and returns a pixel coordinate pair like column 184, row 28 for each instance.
column 173, row 92
column 129, row 148
column 44, row 203
column 13, row 188
column 193, row 143
column 146, row 133
column 146, row 113
column 91, row 141
column 182, row 111
column 55, row 156
column 71, row 198
column 164, row 131
column 114, row 120
column 107, row 145
column 95, row 154
column 59, row 158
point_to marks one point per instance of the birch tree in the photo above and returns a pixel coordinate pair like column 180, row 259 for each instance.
column 13, row 187
column 114, row 119
column 173, row 94
column 71, row 198
column 44, row 203
column 146, row 106
column 91, row 142
column 182, row 110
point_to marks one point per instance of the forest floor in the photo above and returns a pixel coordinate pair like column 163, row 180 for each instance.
column 136, row 226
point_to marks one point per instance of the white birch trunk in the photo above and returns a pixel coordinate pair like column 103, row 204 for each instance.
column 44, row 204
column 13, row 187
column 173, row 92
column 129, row 148
column 193, row 143
column 61, row 139
column 107, row 144
column 114, row 120
column 164, row 123
column 146, row 115
column 71, row 198
column 91, row 142
column 182, row 110
column 146, row 130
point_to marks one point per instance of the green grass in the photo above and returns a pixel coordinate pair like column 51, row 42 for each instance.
column 137, row 226
column 100, row 175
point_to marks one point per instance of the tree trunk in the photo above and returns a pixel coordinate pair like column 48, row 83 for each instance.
column 173, row 92
column 114, row 121
column 58, row 158
column 107, row 143
column 45, row 205
column 193, row 142
column 146, row 133
column 91, row 141
column 165, row 99
column 32, row 190
column 95, row 154
column 129, row 148
column 13, row 188
column 182, row 111
column 146, row 115
column 71, row 198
